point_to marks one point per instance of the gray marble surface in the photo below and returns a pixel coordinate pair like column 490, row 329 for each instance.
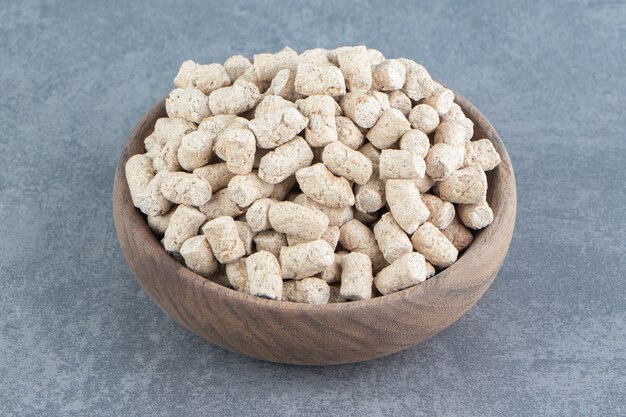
column 79, row 337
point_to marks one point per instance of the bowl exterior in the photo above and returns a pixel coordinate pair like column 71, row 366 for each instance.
column 307, row 334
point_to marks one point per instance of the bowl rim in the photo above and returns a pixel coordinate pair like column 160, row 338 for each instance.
column 478, row 246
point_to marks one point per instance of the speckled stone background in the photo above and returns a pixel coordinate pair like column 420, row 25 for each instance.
column 79, row 337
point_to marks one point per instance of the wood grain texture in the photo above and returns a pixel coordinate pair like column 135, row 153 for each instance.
column 313, row 334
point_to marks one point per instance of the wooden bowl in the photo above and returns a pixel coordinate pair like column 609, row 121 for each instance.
column 315, row 334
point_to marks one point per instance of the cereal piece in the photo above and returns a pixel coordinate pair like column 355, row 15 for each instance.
column 441, row 100
column 372, row 153
column 316, row 56
column 223, row 237
column 465, row 186
column 434, row 245
column 264, row 278
column 306, row 259
column 382, row 99
column 312, row 80
column 238, row 275
column 347, row 163
column 139, row 173
column 296, row 220
column 257, row 214
column 198, row 256
column 184, row 224
column 396, row 163
column 184, row 188
column 270, row 240
column 237, row 147
column 443, row 159
column 220, row 204
column 375, row 56
column 158, row 224
column 166, row 160
column 452, row 133
column 245, row 234
column 356, row 237
column 388, row 129
column 441, row 212
column 391, row 239
column 195, row 149
column 330, row 235
column 306, row 290
column 283, row 85
column 405, row 204
column 430, row 270
column 319, row 184
column 424, row 184
column 400, row 101
column 370, row 197
column 416, row 141
column 389, row 75
column 469, row 128
column 150, row 200
column 418, row 83
column 337, row 216
column 285, row 160
column 238, row 98
column 246, row 189
column 455, row 114
column 278, row 127
column 271, row 104
column 205, row 78
column 282, row 189
column 348, row 133
column 362, row 108
column 235, row 66
column 321, row 128
column 356, row 69
column 408, row 270
column 424, row 118
column 332, row 272
column 217, row 175
column 217, row 124
column 356, row 277
column 167, row 128
column 268, row 65
column 188, row 103
column 458, row 234
column 482, row 153
column 475, row 216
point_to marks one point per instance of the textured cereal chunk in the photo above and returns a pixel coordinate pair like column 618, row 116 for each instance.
column 319, row 184
column 205, row 78
column 347, row 163
column 223, row 236
column 306, row 290
column 465, row 186
column 198, row 256
column 264, row 278
column 188, row 103
column 356, row 277
column 306, row 259
column 405, row 204
column 184, row 224
column 406, row 271
column 434, row 245
column 312, row 80
column 296, row 220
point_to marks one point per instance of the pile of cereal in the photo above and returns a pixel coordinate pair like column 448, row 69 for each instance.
column 319, row 177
